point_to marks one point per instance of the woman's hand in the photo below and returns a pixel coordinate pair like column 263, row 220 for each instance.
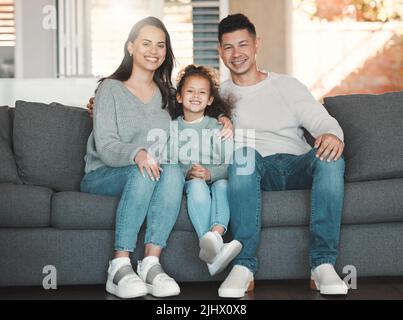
column 146, row 162
column 199, row 172
column 90, row 107
column 227, row 132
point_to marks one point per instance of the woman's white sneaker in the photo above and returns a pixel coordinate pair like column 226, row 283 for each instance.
column 325, row 280
column 123, row 282
column 210, row 246
column 158, row 283
column 238, row 282
column 228, row 253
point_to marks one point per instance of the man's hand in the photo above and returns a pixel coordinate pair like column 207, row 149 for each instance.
column 199, row 172
column 90, row 107
column 329, row 147
column 227, row 132
column 146, row 162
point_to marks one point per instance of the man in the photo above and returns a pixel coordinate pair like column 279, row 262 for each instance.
column 278, row 107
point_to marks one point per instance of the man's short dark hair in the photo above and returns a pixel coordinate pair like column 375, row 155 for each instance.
column 235, row 22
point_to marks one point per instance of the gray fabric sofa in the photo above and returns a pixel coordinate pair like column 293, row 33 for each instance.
column 45, row 220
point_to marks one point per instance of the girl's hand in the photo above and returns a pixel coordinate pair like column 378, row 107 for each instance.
column 146, row 162
column 228, row 131
column 199, row 172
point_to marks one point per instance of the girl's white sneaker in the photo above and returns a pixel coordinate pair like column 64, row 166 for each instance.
column 228, row 253
column 210, row 246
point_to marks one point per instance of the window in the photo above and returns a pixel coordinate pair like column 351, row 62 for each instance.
column 7, row 23
column 108, row 34
column 111, row 21
column 178, row 20
column 206, row 17
column 92, row 32
column 7, row 38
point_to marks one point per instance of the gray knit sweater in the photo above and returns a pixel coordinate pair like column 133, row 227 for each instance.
column 198, row 143
column 123, row 126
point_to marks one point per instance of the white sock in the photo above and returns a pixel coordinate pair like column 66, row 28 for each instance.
column 118, row 263
column 149, row 260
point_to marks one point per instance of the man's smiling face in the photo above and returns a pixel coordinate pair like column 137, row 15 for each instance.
column 238, row 51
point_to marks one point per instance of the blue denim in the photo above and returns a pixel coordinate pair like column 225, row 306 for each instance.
column 207, row 205
column 139, row 198
column 287, row 172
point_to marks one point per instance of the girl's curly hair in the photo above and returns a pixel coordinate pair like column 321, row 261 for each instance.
column 220, row 106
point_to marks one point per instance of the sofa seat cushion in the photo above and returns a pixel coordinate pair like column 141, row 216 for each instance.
column 8, row 167
column 365, row 203
column 373, row 127
column 50, row 143
column 81, row 211
column 24, row 206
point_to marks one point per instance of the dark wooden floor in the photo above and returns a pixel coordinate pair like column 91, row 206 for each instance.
column 368, row 289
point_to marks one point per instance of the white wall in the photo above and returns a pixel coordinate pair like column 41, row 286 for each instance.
column 273, row 21
column 36, row 55
column 72, row 92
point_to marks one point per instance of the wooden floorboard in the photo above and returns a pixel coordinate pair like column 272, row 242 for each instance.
column 368, row 289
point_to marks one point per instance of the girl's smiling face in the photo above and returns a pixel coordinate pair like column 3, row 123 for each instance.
column 195, row 95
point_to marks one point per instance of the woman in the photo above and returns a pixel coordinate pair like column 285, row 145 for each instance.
column 119, row 160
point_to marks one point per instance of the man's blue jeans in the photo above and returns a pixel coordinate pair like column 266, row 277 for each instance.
column 207, row 205
column 139, row 198
column 286, row 172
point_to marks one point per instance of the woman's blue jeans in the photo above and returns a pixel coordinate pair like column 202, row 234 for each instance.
column 140, row 197
column 286, row 172
column 207, row 205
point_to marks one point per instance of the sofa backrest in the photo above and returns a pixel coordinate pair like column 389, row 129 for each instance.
column 50, row 140
column 50, row 144
column 373, row 128
column 8, row 167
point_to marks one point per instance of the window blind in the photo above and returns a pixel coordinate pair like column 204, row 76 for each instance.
column 7, row 23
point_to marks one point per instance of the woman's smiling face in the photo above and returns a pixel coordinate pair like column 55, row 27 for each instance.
column 149, row 49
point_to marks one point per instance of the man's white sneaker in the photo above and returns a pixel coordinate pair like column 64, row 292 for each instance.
column 238, row 282
column 210, row 246
column 158, row 283
column 228, row 252
column 325, row 280
column 123, row 282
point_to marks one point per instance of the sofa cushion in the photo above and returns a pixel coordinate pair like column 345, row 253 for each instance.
column 365, row 202
column 8, row 167
column 50, row 144
column 82, row 211
column 24, row 206
column 373, row 127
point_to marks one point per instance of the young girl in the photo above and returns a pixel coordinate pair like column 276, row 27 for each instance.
column 203, row 158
